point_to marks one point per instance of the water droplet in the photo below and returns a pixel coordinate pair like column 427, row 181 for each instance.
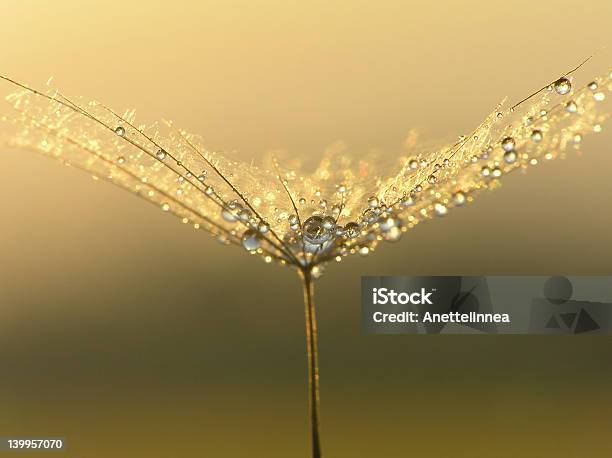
column 352, row 230
column 510, row 157
column 314, row 231
column 440, row 209
column 161, row 154
column 120, row 160
column 571, row 107
column 263, row 227
column 408, row 201
column 485, row 171
column 120, row 131
column 496, row 172
column 202, row 177
column 373, row 201
column 244, row 214
column 413, row 164
column 432, row 179
column 577, row 138
column 293, row 220
column 593, row 85
column 562, row 86
column 342, row 189
column 302, row 201
column 228, row 215
column 459, row 198
column 536, row 136
column 251, row 240
column 165, row 207
column 209, row 190
column 599, row 96
column 370, row 216
column 508, row 144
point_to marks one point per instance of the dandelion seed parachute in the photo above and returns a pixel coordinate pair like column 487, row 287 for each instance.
column 342, row 208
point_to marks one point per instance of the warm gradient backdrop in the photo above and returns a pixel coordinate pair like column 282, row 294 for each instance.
column 133, row 336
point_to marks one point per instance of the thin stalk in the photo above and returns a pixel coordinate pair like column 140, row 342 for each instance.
column 313, row 360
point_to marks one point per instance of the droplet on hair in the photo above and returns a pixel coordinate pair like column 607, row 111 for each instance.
column 510, row 157
column 120, row 131
column 508, row 144
column 562, row 86
column 352, row 230
column 251, row 240
column 263, row 227
column 370, row 216
column 536, row 136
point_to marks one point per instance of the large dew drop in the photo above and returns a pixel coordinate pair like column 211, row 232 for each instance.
column 251, row 240
column 315, row 232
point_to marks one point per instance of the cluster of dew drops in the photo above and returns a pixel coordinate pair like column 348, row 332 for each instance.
column 321, row 234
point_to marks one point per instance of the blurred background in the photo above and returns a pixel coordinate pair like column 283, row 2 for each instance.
column 131, row 335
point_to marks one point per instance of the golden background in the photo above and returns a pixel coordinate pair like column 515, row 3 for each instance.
column 131, row 335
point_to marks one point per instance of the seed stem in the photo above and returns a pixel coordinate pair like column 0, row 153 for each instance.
column 313, row 359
